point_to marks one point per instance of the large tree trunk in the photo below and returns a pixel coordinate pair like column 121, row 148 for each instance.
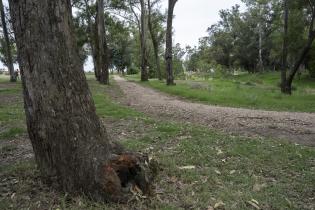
column 285, row 47
column 7, row 46
column 102, row 52
column 143, row 40
column 154, row 42
column 169, row 44
column 70, row 144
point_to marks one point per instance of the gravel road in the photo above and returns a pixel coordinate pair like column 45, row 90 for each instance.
column 295, row 127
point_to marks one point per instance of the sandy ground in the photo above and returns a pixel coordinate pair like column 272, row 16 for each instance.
column 295, row 127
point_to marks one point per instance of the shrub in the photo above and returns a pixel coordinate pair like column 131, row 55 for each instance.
column 132, row 70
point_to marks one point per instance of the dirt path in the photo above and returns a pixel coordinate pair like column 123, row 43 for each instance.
column 295, row 127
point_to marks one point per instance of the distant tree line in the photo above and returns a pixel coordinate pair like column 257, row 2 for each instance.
column 136, row 36
column 267, row 35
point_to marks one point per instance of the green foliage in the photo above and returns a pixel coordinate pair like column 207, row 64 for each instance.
column 311, row 62
column 81, row 36
column 3, row 54
column 178, row 54
column 233, row 42
column 120, row 43
column 132, row 70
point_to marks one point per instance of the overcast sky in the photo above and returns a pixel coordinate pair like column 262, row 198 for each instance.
column 192, row 18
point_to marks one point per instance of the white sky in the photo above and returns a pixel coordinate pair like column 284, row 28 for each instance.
column 192, row 18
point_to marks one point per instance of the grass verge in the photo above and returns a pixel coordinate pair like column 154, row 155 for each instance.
column 255, row 91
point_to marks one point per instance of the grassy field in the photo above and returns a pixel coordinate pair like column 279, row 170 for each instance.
column 255, row 91
column 201, row 168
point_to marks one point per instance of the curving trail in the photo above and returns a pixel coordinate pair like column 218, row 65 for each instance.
column 295, row 127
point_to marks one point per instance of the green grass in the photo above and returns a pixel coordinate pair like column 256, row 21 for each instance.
column 228, row 169
column 104, row 106
column 255, row 91
column 12, row 133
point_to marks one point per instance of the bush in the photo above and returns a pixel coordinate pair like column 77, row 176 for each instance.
column 221, row 71
column 132, row 70
column 311, row 70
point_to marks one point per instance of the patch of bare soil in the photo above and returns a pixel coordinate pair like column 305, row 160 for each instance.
column 296, row 127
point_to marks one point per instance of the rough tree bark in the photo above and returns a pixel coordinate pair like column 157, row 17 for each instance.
column 143, row 40
column 169, row 44
column 102, row 48
column 70, row 144
column 287, row 88
column 154, row 41
column 7, row 44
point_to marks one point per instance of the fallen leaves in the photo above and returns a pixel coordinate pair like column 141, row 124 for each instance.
column 218, row 205
column 187, row 167
column 232, row 172
column 137, row 192
column 219, row 151
column 217, row 172
column 253, row 203
column 210, row 208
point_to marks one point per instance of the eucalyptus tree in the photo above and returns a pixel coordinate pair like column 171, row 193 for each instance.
column 143, row 38
column 92, row 14
column 139, row 15
column 86, row 11
column 6, row 44
column 288, row 77
column 71, row 146
column 120, row 43
column 102, row 56
column 155, row 24
column 169, row 43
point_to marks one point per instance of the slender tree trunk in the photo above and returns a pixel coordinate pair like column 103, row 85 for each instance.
column 169, row 44
column 302, row 55
column 7, row 46
column 70, row 144
column 157, row 60
column 102, row 56
column 91, row 36
column 154, row 42
column 260, row 56
column 298, row 63
column 285, row 47
column 260, row 42
column 143, row 40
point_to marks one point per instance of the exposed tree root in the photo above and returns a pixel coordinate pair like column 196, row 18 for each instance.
column 126, row 172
